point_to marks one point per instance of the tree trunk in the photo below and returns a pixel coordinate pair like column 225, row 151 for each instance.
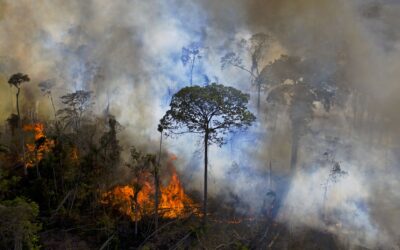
column 324, row 200
column 269, row 176
column 20, row 131
column 205, row 177
column 37, row 164
column 19, row 117
column 52, row 104
column 136, row 216
column 294, row 151
column 17, row 241
column 258, row 97
column 136, row 223
column 191, row 71
column 157, row 184
column 54, row 179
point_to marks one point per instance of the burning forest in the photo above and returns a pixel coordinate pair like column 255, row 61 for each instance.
column 227, row 124
column 174, row 202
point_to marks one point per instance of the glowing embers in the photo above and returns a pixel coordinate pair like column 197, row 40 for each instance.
column 73, row 154
column 35, row 151
column 173, row 201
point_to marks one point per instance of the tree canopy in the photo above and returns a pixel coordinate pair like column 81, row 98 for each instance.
column 77, row 103
column 215, row 109
column 17, row 79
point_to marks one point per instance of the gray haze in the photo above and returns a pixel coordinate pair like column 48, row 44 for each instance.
column 128, row 53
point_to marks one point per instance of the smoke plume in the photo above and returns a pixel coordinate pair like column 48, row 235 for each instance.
column 128, row 53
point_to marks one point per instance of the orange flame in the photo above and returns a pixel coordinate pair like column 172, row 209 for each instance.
column 122, row 199
column 174, row 202
column 41, row 146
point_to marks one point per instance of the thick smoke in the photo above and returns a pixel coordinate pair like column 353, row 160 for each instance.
column 365, row 33
column 128, row 54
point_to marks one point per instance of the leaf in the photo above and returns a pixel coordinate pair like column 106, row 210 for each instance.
column 17, row 79
column 214, row 109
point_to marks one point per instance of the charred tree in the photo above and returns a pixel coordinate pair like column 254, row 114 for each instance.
column 255, row 48
column 46, row 88
column 189, row 56
column 291, row 81
column 77, row 105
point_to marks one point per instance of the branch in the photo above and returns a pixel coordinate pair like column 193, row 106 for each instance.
column 273, row 240
column 162, row 227
column 243, row 68
column 225, row 245
column 106, row 242
column 185, row 132
column 182, row 240
column 62, row 203
column 215, row 113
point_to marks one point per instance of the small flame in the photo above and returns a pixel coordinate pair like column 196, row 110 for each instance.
column 74, row 154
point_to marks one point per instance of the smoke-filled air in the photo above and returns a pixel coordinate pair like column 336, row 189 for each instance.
column 230, row 124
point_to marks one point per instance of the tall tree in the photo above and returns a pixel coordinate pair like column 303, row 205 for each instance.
column 255, row 48
column 46, row 88
column 211, row 111
column 15, row 120
column 156, row 177
column 189, row 56
column 295, row 83
column 16, row 80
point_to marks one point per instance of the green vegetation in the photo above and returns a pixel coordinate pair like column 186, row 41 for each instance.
column 211, row 111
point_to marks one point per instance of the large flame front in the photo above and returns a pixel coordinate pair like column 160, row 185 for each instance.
column 41, row 145
column 174, row 202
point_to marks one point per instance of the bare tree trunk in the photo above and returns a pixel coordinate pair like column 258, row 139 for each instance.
column 17, row 95
column 205, row 177
column 258, row 97
column 294, row 152
column 191, row 71
column 17, row 241
column 54, row 179
column 20, row 130
column 269, row 176
column 52, row 104
column 136, row 217
column 37, row 165
column 23, row 150
column 324, row 200
column 157, row 184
